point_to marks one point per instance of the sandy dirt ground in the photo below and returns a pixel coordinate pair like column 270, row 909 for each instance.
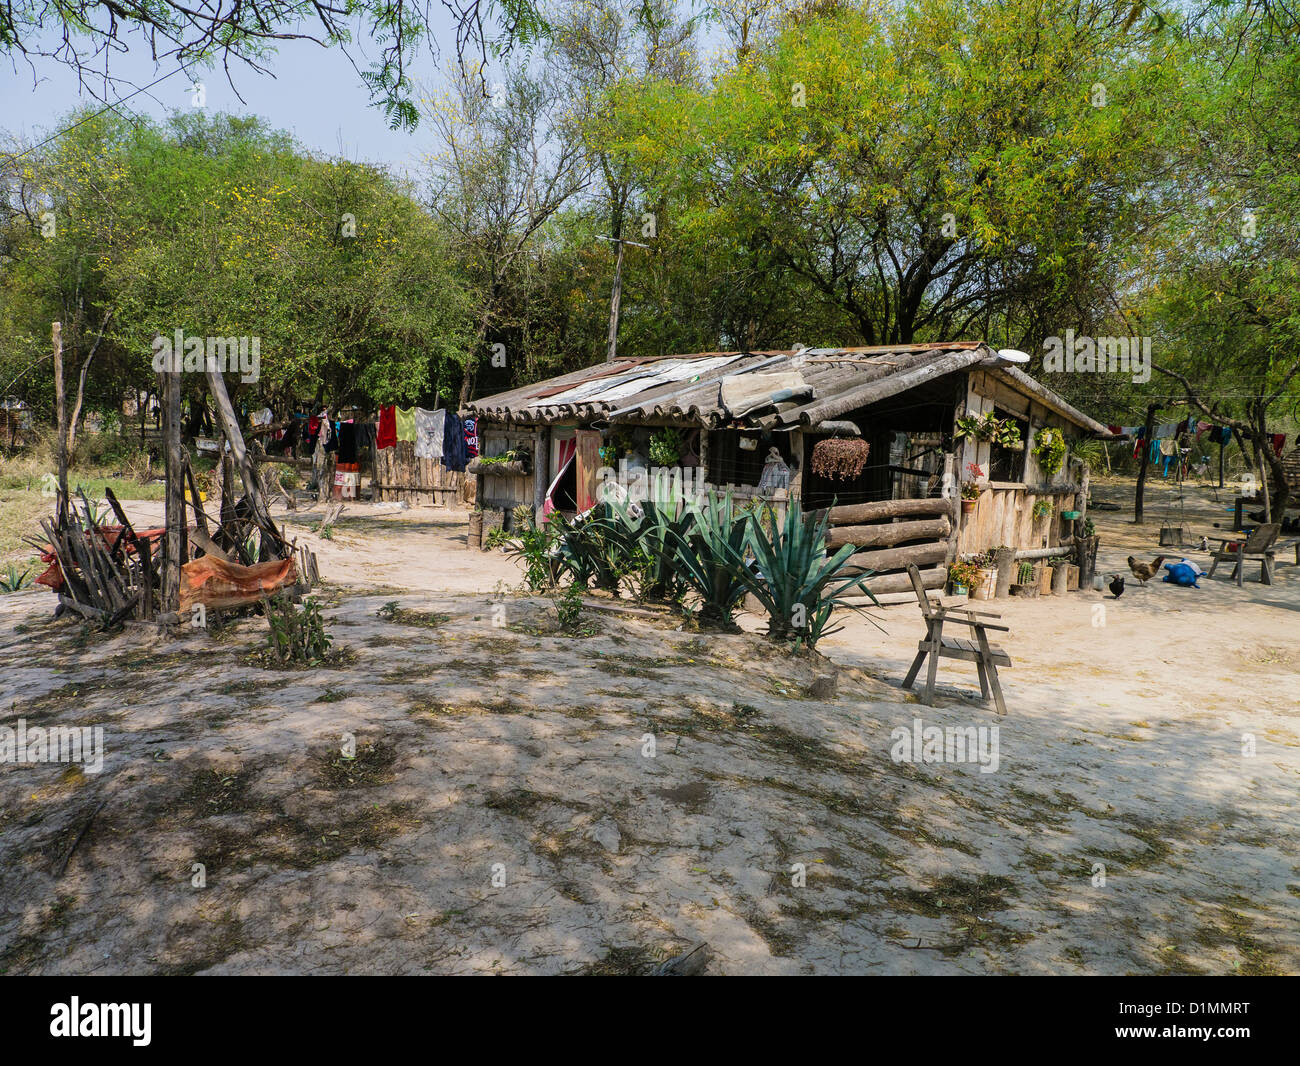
column 528, row 802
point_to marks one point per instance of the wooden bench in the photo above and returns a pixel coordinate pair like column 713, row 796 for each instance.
column 1258, row 545
column 986, row 657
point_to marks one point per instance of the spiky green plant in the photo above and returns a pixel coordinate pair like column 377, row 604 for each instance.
column 711, row 559
column 600, row 549
column 796, row 582
column 658, row 534
column 13, row 580
column 536, row 547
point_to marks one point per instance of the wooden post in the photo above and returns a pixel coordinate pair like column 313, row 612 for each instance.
column 1220, row 456
column 230, row 426
column 796, row 456
column 61, row 506
column 541, row 470
column 1005, row 560
column 174, row 502
column 612, row 344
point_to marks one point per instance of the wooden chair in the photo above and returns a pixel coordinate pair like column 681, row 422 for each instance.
column 1259, row 545
column 986, row 657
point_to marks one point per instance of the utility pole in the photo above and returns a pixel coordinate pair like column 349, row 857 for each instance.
column 611, row 349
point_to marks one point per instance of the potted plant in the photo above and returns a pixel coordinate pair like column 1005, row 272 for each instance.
column 665, row 447
column 1049, row 450
column 971, row 487
column 963, row 575
column 986, row 587
column 1000, row 431
column 1026, row 583
column 1042, row 508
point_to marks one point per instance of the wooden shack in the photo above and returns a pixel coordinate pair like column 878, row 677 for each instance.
column 731, row 414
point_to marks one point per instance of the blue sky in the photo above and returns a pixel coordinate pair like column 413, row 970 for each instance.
column 315, row 94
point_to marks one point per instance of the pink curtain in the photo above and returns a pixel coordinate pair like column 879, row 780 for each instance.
column 567, row 450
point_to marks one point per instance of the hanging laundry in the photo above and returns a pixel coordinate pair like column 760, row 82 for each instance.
column 1166, row 429
column 454, row 456
column 313, row 430
column 429, row 428
column 471, row 437
column 386, row 435
column 365, row 436
column 1277, row 440
column 405, row 419
column 347, row 443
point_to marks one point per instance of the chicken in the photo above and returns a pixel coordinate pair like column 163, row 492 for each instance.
column 1117, row 585
column 1144, row 572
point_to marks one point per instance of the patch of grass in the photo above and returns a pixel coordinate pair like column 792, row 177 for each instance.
column 392, row 611
column 27, row 949
column 372, row 765
column 620, row 962
column 965, row 902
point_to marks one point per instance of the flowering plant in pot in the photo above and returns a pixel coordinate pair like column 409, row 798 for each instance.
column 964, row 576
column 971, row 489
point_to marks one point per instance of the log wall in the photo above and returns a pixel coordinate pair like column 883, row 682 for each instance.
column 894, row 534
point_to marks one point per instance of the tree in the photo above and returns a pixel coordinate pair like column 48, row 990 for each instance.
column 221, row 228
column 90, row 32
column 1223, row 295
column 932, row 168
column 507, row 162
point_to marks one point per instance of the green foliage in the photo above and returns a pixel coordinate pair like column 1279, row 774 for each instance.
column 600, row 550
column 221, row 228
column 710, row 560
column 14, row 580
column 964, row 572
column 797, row 584
column 1049, row 450
column 536, row 548
column 295, row 634
column 568, row 607
column 665, row 447
column 1004, row 432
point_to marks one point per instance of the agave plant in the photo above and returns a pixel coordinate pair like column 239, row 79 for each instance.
column 659, row 533
column 13, row 579
column 600, row 550
column 797, row 584
column 710, row 559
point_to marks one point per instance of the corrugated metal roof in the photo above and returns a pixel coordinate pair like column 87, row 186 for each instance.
column 685, row 388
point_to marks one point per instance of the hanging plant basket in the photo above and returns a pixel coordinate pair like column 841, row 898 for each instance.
column 840, row 458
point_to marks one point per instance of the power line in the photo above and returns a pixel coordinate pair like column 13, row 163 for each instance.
column 96, row 114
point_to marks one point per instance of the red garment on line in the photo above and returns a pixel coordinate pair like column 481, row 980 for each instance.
column 386, row 435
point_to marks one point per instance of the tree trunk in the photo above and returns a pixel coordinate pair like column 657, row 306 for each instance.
column 1142, row 468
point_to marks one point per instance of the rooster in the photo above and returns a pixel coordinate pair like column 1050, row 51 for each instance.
column 1117, row 586
column 1144, row 572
